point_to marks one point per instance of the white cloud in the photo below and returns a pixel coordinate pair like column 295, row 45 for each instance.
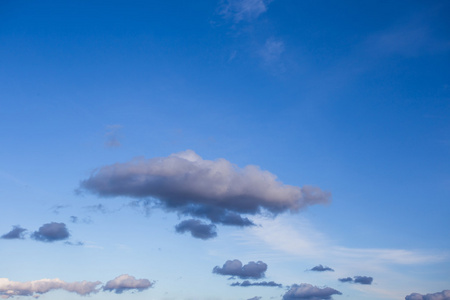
column 240, row 10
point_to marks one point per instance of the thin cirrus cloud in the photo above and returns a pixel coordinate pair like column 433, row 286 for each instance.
column 216, row 190
column 126, row 282
column 310, row 292
column 444, row 295
column 51, row 232
column 321, row 268
column 253, row 270
column 16, row 233
column 243, row 10
column 197, row 228
column 247, row 283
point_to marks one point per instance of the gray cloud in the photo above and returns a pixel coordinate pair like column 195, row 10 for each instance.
column 216, row 190
column 310, row 292
column 125, row 283
column 243, row 10
column 113, row 136
column 444, row 295
column 16, row 233
column 197, row 228
column 358, row 279
column 255, row 298
column 51, row 232
column 363, row 279
column 247, row 283
column 235, row 268
column 321, row 268
column 38, row 287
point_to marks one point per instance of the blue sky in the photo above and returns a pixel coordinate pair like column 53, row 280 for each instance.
column 145, row 143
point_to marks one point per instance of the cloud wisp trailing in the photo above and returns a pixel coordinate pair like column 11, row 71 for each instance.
column 16, row 233
column 310, row 292
column 126, row 282
column 197, row 228
column 321, row 268
column 358, row 279
column 51, row 232
column 243, row 10
column 38, row 287
column 444, row 295
column 216, row 190
column 247, row 283
column 253, row 270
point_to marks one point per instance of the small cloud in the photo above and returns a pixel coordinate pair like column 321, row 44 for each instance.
column 358, row 279
column 444, row 295
column 56, row 209
column 309, row 292
column 98, row 208
column 247, row 283
column 38, row 287
column 113, row 136
column 74, row 244
column 255, row 298
column 197, row 228
column 76, row 220
column 73, row 219
column 243, row 10
column 16, row 233
column 321, row 268
column 51, row 232
column 254, row 270
column 125, row 283
column 272, row 50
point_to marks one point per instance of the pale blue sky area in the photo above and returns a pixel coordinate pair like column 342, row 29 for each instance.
column 120, row 120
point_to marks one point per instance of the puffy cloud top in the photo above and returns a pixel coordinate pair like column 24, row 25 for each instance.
column 197, row 228
column 217, row 190
column 253, row 269
column 126, row 282
column 51, row 232
column 444, row 295
column 35, row 288
column 310, row 292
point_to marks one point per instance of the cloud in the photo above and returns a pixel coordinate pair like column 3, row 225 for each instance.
column 321, row 268
column 255, row 298
column 16, row 233
column 358, row 279
column 216, row 190
column 310, row 292
column 113, row 136
column 444, row 295
column 51, row 232
column 243, row 10
column 125, row 283
column 247, row 283
column 197, row 228
column 272, row 50
column 363, row 279
column 38, row 287
column 235, row 268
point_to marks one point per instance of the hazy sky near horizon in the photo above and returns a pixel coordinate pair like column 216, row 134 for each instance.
column 229, row 149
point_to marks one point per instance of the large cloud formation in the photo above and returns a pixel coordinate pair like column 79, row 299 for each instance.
column 197, row 228
column 254, row 270
column 125, row 283
column 309, row 292
column 16, row 233
column 38, row 287
column 216, row 190
column 51, row 232
column 444, row 295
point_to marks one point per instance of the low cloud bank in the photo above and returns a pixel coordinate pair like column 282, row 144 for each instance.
column 215, row 190
column 444, row 295
column 254, row 270
column 310, row 292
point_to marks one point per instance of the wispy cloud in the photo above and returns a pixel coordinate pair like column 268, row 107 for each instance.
column 272, row 50
column 247, row 283
column 243, row 10
column 113, row 136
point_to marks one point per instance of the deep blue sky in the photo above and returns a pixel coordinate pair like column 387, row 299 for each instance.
column 352, row 97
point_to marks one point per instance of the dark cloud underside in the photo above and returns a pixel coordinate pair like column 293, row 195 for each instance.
column 254, row 270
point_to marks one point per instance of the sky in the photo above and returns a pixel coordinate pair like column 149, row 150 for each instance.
column 225, row 149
